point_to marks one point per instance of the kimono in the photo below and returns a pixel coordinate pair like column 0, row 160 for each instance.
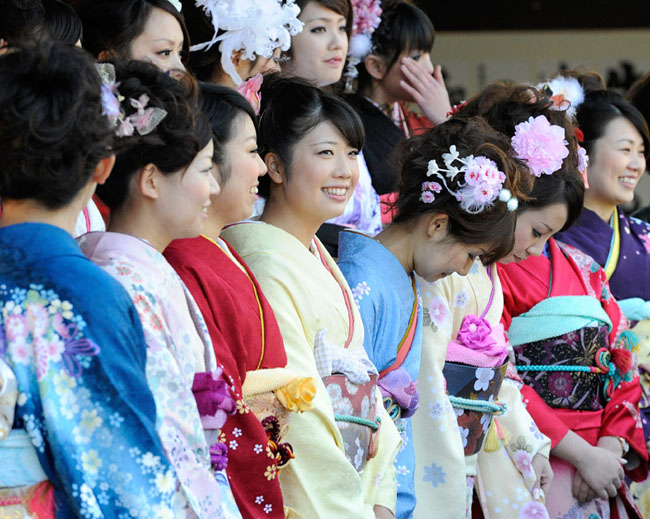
column 178, row 347
column 321, row 326
column 79, row 409
column 559, row 310
column 392, row 320
column 622, row 248
column 245, row 337
column 501, row 475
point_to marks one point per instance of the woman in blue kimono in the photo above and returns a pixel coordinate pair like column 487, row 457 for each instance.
column 436, row 232
column 77, row 435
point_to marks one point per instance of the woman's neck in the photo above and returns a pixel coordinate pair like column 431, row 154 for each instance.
column 604, row 210
column 281, row 215
column 378, row 95
column 399, row 241
column 214, row 224
column 140, row 224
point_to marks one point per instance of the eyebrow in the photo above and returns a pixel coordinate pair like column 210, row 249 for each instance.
column 550, row 229
column 168, row 40
column 625, row 139
column 333, row 143
column 325, row 19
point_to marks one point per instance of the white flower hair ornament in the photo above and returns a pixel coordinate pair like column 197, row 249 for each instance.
column 565, row 92
column 256, row 27
column 366, row 17
column 144, row 120
column 481, row 186
column 541, row 145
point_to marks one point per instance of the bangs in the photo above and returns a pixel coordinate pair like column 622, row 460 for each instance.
column 346, row 119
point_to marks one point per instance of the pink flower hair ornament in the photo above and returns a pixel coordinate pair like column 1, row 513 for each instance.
column 144, row 120
column 366, row 17
column 481, row 186
column 541, row 145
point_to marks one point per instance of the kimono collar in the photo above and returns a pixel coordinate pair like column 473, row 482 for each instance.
column 40, row 239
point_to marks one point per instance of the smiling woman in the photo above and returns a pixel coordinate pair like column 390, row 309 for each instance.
column 310, row 140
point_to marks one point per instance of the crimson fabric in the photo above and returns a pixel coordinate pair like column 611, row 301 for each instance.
column 527, row 283
column 415, row 122
column 227, row 301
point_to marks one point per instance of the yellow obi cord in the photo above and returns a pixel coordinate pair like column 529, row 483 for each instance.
column 614, row 248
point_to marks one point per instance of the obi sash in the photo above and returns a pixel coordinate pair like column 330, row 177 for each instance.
column 351, row 382
column 562, row 351
column 472, row 392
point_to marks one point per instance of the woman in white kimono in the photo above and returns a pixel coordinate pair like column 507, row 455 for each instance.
column 513, row 460
column 346, row 446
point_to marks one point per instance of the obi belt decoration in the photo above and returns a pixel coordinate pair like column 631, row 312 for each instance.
column 562, row 351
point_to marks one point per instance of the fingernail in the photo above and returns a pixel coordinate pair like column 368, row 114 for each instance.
column 623, row 461
column 536, row 494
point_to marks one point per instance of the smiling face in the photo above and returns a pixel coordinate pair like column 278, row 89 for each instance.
column 184, row 197
column 616, row 164
column 322, row 175
column 243, row 166
column 161, row 42
column 534, row 228
column 318, row 52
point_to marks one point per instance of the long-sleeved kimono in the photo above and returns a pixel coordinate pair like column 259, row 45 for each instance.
column 574, row 321
column 502, row 477
column 73, row 340
column 387, row 300
column 308, row 295
column 246, row 337
column 178, row 347
column 622, row 248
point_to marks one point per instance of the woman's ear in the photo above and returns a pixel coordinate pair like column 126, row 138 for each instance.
column 438, row 226
column 149, row 181
column 103, row 169
column 274, row 168
column 375, row 66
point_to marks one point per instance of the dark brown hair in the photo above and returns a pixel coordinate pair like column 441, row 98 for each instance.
column 52, row 131
column 174, row 142
column 504, row 105
column 473, row 136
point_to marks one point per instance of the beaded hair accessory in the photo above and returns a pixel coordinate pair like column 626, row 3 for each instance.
column 541, row 145
column 256, row 27
column 366, row 17
column 565, row 92
column 144, row 119
column 481, row 186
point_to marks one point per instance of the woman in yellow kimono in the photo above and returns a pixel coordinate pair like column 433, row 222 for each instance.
column 346, row 446
column 513, row 461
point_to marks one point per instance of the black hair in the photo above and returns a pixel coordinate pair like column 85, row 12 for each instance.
column 39, row 20
column 222, row 106
column 504, row 105
column 639, row 95
column 52, row 131
column 403, row 27
column 600, row 108
column 472, row 136
column 292, row 107
column 112, row 25
column 174, row 142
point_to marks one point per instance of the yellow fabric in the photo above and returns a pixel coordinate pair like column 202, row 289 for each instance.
column 320, row 482
column 614, row 253
column 458, row 296
column 264, row 380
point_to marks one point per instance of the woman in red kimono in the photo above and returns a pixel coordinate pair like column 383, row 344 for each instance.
column 241, row 323
column 582, row 388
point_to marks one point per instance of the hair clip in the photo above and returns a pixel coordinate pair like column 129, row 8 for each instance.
column 566, row 93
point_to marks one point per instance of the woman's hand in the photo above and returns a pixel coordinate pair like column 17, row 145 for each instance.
column 381, row 512
column 428, row 91
column 544, row 473
column 601, row 470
